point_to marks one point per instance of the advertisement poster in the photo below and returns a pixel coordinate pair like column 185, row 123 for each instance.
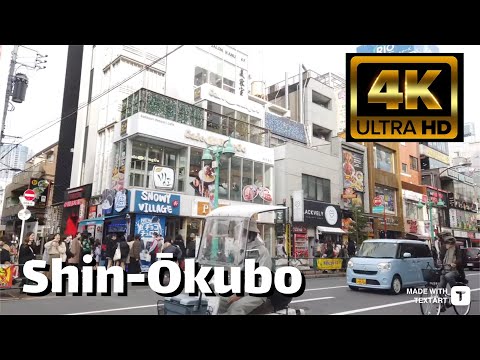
column 6, row 276
column 118, row 171
column 329, row 264
column 204, row 182
column 40, row 187
column 300, row 246
column 353, row 179
column 145, row 226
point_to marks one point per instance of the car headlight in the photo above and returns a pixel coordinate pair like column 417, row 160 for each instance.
column 350, row 264
column 384, row 266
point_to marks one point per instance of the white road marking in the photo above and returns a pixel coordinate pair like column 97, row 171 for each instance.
column 111, row 310
column 381, row 306
column 326, row 288
column 147, row 306
column 314, row 299
column 135, row 278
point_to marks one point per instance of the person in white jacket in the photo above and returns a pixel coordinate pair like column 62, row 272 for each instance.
column 56, row 249
column 243, row 305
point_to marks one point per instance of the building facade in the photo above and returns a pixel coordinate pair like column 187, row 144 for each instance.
column 159, row 180
column 38, row 175
column 385, row 182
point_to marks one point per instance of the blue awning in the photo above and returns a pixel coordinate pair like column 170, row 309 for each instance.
column 91, row 222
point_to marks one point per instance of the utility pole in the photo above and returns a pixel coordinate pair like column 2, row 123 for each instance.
column 10, row 80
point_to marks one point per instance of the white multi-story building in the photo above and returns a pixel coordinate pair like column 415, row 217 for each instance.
column 150, row 123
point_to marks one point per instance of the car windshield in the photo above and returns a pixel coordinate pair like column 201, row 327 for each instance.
column 382, row 250
column 473, row 252
column 223, row 242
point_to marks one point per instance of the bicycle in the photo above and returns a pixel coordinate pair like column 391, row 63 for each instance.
column 433, row 299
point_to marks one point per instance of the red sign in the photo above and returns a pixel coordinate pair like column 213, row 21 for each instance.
column 377, row 201
column 72, row 203
column 299, row 229
column 29, row 195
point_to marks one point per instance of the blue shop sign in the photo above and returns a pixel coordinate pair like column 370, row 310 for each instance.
column 155, row 202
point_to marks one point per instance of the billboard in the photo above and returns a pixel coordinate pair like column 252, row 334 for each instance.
column 41, row 188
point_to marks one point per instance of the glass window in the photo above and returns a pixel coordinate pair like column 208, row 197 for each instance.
column 182, row 166
column 170, row 158
column 214, row 120
column 256, row 133
column 404, row 168
column 412, row 211
column 154, row 156
column 422, row 250
column 195, row 161
column 413, row 163
column 247, row 178
column 236, row 181
column 316, row 188
column 242, row 126
column 229, row 121
column 384, row 159
column 215, row 80
column 258, row 176
column 389, row 198
column 139, row 156
column 200, row 76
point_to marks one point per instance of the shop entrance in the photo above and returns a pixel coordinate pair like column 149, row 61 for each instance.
column 172, row 227
column 194, row 226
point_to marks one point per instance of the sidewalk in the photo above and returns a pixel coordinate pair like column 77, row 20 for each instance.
column 315, row 274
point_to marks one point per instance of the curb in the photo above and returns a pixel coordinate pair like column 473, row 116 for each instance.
column 319, row 276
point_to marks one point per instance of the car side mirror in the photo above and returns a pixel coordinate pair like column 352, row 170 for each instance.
column 407, row 255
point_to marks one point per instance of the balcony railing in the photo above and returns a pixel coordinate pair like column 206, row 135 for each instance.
column 152, row 103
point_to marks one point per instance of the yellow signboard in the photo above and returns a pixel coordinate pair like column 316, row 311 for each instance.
column 329, row 264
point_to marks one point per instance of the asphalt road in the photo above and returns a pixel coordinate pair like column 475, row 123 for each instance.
column 326, row 296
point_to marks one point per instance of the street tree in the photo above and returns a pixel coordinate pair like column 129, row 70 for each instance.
column 358, row 228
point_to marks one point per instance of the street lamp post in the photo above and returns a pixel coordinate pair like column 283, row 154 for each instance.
column 227, row 150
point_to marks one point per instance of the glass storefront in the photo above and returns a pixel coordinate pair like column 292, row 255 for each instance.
column 235, row 173
column 146, row 155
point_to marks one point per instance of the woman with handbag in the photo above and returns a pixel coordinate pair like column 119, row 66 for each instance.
column 56, row 249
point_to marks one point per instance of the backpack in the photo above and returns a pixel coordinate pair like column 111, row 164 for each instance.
column 178, row 252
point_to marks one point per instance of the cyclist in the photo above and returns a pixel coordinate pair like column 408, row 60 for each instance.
column 452, row 262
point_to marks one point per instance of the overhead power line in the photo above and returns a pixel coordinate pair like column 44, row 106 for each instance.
column 92, row 100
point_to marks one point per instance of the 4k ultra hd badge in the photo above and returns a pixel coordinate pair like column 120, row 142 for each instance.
column 404, row 97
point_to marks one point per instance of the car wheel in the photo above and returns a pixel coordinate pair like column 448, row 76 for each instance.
column 354, row 288
column 396, row 287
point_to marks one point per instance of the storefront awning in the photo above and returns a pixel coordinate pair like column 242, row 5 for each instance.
column 331, row 230
column 91, row 222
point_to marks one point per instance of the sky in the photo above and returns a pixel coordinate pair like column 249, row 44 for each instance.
column 43, row 103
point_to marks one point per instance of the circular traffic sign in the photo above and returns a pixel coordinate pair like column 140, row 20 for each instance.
column 24, row 214
column 377, row 201
column 29, row 195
